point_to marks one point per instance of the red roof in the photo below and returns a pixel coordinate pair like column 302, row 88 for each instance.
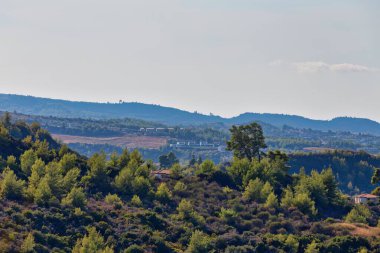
column 367, row 196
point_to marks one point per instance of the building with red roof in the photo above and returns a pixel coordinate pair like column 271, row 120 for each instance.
column 366, row 198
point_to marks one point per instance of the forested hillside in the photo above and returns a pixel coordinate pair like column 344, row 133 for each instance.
column 172, row 116
column 54, row 200
column 352, row 169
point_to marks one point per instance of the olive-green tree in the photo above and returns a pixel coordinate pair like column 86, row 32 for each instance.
column 10, row 186
column 247, row 141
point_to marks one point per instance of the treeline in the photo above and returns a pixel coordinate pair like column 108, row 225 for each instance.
column 352, row 169
column 86, row 127
column 57, row 201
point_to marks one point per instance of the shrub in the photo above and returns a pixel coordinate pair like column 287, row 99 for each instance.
column 75, row 198
column 227, row 190
column 359, row 214
column 312, row 248
column 134, row 249
column 180, row 188
column 136, row 201
column 228, row 215
column 113, row 199
column 199, row 243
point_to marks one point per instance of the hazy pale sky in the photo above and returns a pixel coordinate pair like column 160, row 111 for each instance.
column 318, row 59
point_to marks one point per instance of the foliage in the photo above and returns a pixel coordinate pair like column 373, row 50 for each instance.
column 312, row 248
column 227, row 215
column 199, row 243
column 10, row 186
column 245, row 206
column 359, row 214
column 246, row 141
column 76, row 198
column 163, row 193
column 206, row 168
column 28, row 244
column 167, row 161
column 27, row 160
column 92, row 242
column 180, row 188
column 113, row 199
column 253, row 190
column 136, row 201
column 272, row 201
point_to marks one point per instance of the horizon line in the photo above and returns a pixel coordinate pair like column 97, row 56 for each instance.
column 195, row 111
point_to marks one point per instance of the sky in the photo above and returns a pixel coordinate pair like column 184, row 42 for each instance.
column 318, row 59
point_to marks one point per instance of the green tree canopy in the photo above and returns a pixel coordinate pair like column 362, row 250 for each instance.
column 247, row 141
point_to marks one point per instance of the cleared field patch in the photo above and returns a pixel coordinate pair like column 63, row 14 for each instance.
column 129, row 141
column 358, row 229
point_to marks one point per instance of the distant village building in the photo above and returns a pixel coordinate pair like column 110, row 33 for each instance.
column 366, row 199
column 160, row 174
column 158, row 129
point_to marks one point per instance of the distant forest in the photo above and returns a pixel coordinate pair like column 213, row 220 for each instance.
column 172, row 116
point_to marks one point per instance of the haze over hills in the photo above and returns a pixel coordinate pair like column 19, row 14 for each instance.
column 172, row 116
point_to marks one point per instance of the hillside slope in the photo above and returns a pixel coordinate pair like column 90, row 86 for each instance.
column 56, row 201
column 172, row 116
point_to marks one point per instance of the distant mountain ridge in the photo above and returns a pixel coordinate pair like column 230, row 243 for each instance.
column 356, row 125
column 172, row 116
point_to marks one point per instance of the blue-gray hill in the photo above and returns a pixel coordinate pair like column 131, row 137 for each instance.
column 172, row 116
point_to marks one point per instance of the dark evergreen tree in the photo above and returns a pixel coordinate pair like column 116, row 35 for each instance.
column 247, row 141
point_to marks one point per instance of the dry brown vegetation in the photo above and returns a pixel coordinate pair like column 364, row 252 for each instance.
column 357, row 229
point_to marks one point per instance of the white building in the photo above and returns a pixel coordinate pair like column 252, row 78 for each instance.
column 366, row 198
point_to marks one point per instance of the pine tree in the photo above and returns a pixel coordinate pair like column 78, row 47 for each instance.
column 92, row 242
column 288, row 198
column 70, row 179
column 247, row 141
column 6, row 120
column 27, row 159
column 10, row 186
column 163, row 193
column 43, row 194
column 123, row 181
column 199, row 243
column 28, row 244
column 206, row 168
column 265, row 191
column 38, row 171
column 113, row 199
column 272, row 201
column 136, row 201
column 76, row 198
column 312, row 248
column 98, row 173
column 253, row 190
